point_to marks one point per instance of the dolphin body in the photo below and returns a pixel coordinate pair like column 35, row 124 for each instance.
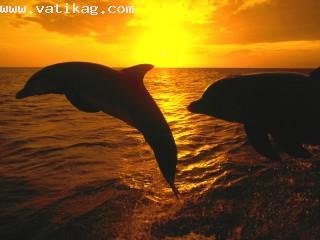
column 284, row 106
column 92, row 88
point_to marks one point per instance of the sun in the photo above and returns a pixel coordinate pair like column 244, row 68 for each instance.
column 165, row 40
column 164, row 47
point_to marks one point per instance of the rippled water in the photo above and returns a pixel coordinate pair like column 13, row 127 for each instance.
column 66, row 174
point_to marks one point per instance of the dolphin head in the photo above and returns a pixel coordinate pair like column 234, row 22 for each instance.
column 219, row 100
column 197, row 106
column 42, row 82
column 211, row 102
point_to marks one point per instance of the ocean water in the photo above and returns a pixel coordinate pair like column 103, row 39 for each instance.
column 66, row 174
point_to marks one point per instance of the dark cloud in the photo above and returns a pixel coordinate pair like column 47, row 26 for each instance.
column 106, row 28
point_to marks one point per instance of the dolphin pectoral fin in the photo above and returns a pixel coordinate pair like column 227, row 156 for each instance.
column 260, row 141
column 80, row 103
column 290, row 145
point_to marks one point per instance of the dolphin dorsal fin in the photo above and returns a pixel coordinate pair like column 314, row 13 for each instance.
column 137, row 72
column 315, row 75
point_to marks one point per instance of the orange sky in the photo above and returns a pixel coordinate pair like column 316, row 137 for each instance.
column 180, row 33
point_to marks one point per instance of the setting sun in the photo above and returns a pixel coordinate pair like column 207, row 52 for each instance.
column 165, row 39
column 164, row 47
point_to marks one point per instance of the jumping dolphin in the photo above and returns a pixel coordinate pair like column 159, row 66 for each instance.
column 92, row 88
column 284, row 106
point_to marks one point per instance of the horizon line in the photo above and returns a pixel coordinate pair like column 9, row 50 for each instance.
column 183, row 67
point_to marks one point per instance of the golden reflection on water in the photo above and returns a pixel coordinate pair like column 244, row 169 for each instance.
column 65, row 166
column 199, row 149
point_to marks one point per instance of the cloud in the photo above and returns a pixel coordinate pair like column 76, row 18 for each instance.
column 211, row 21
column 183, row 11
column 279, row 20
column 251, row 3
column 290, row 54
column 114, row 28
column 107, row 28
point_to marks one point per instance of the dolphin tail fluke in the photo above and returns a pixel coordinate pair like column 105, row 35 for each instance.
column 315, row 75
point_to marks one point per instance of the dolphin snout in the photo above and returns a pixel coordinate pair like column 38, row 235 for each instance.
column 21, row 94
column 195, row 107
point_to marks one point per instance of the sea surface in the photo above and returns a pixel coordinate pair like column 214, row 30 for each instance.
column 66, row 174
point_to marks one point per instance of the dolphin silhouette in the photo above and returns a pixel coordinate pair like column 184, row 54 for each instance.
column 284, row 106
column 92, row 88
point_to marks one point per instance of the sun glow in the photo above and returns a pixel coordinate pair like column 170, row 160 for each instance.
column 164, row 47
column 166, row 39
column 166, row 33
